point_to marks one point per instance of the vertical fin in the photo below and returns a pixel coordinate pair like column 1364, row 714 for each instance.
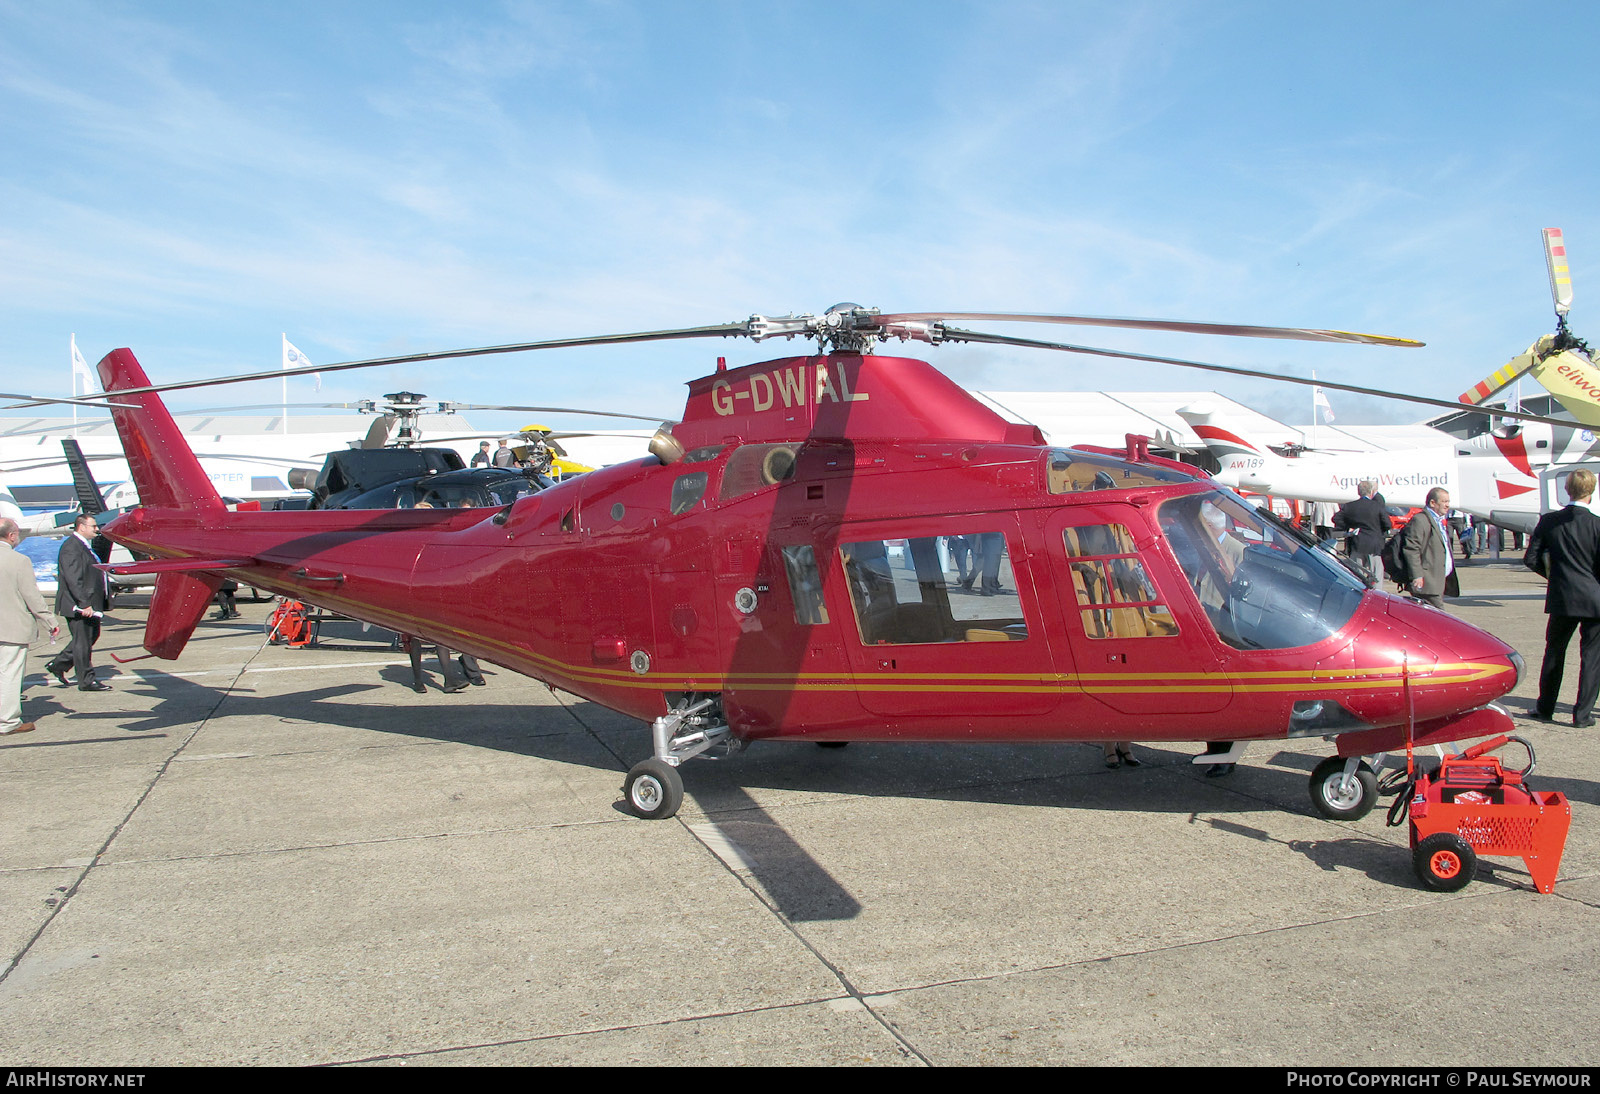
column 91, row 499
column 177, row 604
column 168, row 477
column 164, row 468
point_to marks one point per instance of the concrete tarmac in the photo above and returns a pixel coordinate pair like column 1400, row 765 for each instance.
column 266, row 855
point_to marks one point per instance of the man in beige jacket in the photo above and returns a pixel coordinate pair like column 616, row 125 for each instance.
column 1426, row 548
column 22, row 608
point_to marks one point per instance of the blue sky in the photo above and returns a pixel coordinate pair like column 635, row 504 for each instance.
column 190, row 180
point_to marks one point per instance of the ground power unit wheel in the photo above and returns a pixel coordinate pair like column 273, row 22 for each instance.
column 1444, row 862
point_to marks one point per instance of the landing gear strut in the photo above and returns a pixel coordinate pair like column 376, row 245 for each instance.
column 653, row 789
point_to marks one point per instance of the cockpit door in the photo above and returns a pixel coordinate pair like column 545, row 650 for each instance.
column 1137, row 646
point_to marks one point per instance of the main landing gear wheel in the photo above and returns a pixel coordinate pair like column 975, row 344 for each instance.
column 1339, row 798
column 1444, row 862
column 653, row 790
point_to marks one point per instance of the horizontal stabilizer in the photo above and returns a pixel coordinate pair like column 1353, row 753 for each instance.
column 175, row 565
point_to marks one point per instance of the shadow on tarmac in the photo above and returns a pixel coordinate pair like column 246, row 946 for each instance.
column 1067, row 776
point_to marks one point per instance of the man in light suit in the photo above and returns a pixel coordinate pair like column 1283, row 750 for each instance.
column 1565, row 549
column 1426, row 549
column 22, row 609
column 82, row 597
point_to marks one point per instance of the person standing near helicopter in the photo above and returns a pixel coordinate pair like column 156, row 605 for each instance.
column 1565, row 550
column 83, row 597
column 1427, row 552
column 1365, row 523
column 22, row 612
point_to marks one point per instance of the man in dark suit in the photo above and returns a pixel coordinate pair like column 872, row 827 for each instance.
column 82, row 597
column 1366, row 522
column 1565, row 549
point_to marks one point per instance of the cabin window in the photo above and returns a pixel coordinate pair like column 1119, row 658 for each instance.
column 1116, row 598
column 957, row 588
column 1260, row 588
column 805, row 584
column 1070, row 471
column 688, row 489
column 754, row 466
column 509, row 490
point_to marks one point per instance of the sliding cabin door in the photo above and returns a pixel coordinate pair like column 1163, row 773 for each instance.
column 941, row 623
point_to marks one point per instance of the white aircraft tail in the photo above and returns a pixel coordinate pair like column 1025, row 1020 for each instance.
column 1244, row 461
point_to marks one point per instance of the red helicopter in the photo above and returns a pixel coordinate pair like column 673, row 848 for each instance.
column 845, row 547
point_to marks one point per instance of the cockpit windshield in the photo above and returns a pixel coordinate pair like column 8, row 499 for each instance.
column 1261, row 589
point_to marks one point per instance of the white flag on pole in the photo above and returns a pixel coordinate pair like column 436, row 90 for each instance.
column 80, row 367
column 1319, row 398
column 293, row 358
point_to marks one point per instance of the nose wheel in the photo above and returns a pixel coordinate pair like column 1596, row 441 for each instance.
column 1344, row 790
column 653, row 790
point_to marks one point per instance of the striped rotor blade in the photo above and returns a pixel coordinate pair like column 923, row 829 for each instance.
column 1499, row 379
column 1237, row 330
column 1555, row 260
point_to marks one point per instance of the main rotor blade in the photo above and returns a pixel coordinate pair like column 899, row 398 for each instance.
column 1238, row 330
column 957, row 335
column 267, row 406
column 87, row 423
column 1555, row 260
column 98, row 402
column 641, row 434
column 558, row 410
column 723, row 330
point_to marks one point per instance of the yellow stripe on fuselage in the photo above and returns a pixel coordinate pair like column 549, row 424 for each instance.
column 989, row 683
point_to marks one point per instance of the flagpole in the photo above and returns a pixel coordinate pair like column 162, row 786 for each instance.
column 283, row 356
